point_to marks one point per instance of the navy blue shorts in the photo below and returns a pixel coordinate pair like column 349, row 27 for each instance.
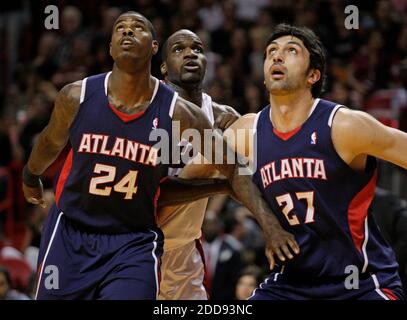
column 372, row 287
column 74, row 264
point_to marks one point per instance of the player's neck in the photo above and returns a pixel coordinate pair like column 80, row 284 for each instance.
column 131, row 88
column 289, row 112
column 192, row 94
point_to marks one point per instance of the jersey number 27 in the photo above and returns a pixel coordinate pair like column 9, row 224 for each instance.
column 286, row 203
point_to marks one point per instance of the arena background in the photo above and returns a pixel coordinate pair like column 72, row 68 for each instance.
column 367, row 70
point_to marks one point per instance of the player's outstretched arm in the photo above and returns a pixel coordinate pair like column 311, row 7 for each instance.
column 224, row 116
column 50, row 141
column 278, row 241
column 176, row 191
column 195, row 183
column 357, row 133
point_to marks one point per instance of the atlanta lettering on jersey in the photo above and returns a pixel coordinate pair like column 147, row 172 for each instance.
column 293, row 168
column 123, row 148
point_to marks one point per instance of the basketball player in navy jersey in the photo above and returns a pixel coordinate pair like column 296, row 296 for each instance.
column 316, row 168
column 182, row 268
column 101, row 238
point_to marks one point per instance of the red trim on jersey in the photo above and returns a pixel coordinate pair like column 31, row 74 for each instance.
column 198, row 245
column 156, row 197
column 357, row 211
column 390, row 294
column 126, row 117
column 37, row 282
column 66, row 169
column 286, row 135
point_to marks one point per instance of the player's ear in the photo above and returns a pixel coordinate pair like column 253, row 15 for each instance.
column 155, row 46
column 163, row 69
column 110, row 48
column 314, row 76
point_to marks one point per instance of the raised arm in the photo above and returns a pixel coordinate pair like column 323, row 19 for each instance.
column 50, row 142
column 277, row 239
column 356, row 134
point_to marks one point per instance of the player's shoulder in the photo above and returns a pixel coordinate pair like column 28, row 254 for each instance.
column 223, row 108
column 182, row 105
column 347, row 121
column 71, row 93
column 244, row 122
column 68, row 100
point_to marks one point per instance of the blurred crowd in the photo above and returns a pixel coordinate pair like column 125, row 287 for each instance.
column 367, row 70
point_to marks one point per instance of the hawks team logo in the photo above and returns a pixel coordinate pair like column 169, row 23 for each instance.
column 314, row 138
column 155, row 123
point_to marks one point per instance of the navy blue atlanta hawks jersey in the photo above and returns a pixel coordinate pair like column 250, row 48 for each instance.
column 319, row 199
column 111, row 177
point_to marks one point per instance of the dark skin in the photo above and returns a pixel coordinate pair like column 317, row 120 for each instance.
column 130, row 88
column 184, row 70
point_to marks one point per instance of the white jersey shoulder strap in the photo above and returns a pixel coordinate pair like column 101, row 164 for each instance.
column 207, row 107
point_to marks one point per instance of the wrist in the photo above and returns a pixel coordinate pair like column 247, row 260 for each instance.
column 30, row 179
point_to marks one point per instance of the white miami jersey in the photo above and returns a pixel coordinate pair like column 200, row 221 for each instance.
column 182, row 224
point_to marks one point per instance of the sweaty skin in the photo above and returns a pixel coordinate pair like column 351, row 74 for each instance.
column 130, row 87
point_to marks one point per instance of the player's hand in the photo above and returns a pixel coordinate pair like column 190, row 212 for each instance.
column 225, row 120
column 282, row 244
column 34, row 195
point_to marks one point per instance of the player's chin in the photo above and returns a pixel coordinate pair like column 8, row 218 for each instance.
column 191, row 78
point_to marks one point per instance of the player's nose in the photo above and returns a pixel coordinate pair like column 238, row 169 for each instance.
column 190, row 53
column 278, row 57
column 127, row 32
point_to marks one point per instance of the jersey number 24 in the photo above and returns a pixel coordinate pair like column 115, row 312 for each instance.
column 126, row 185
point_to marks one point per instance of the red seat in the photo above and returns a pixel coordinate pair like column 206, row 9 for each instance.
column 380, row 106
column 20, row 272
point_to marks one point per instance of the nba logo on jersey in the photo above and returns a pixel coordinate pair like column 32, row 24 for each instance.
column 155, row 123
column 314, row 138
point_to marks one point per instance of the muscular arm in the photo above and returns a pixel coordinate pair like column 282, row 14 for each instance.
column 224, row 115
column 180, row 191
column 190, row 116
column 51, row 141
column 356, row 134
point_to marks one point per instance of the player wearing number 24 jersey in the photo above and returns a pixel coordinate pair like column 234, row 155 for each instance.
column 101, row 235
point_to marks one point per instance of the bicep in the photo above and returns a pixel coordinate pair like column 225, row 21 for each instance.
column 65, row 108
column 358, row 133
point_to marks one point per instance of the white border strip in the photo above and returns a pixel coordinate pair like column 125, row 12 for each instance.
column 83, row 90
column 314, row 105
column 157, row 84
column 333, row 112
column 172, row 107
column 107, row 81
column 364, row 247
column 155, row 263
column 46, row 253
column 380, row 292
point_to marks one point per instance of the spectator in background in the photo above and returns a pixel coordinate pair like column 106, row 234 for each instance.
column 223, row 251
column 390, row 213
column 249, row 280
column 6, row 291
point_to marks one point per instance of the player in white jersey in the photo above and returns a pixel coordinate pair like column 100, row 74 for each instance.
column 182, row 268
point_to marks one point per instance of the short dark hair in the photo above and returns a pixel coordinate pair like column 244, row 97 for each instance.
column 149, row 24
column 314, row 46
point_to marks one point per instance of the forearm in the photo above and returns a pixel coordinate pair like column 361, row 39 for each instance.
column 177, row 191
column 249, row 195
column 43, row 154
